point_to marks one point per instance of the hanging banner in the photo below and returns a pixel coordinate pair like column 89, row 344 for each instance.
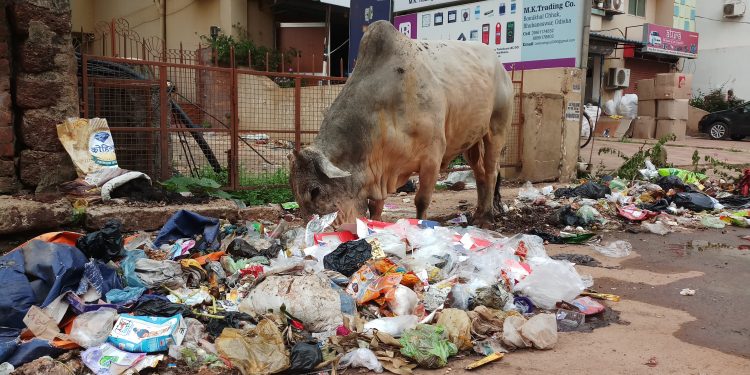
column 526, row 34
column 669, row 41
column 361, row 14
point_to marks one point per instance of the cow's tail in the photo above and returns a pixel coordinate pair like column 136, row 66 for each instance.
column 497, row 203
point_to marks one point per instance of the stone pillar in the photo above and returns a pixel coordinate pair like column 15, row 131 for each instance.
column 45, row 87
column 8, row 179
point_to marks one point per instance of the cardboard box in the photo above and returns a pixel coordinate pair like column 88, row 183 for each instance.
column 676, row 109
column 647, row 108
column 645, row 89
column 673, row 86
column 644, row 127
column 606, row 125
column 667, row 127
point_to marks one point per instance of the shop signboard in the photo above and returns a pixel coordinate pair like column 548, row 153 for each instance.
column 407, row 5
column 361, row 14
column 526, row 34
column 670, row 41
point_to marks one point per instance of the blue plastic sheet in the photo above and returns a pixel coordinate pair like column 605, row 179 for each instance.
column 125, row 296
column 15, row 352
column 128, row 268
column 35, row 274
column 188, row 224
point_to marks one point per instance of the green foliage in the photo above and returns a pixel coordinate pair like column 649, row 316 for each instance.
column 714, row 100
column 632, row 164
column 696, row 159
column 273, row 188
column 459, row 160
column 182, row 184
column 247, row 53
column 725, row 170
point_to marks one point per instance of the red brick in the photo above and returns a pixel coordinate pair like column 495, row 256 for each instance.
column 7, row 150
column 6, row 134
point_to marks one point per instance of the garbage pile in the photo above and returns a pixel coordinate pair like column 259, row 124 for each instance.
column 662, row 201
column 208, row 294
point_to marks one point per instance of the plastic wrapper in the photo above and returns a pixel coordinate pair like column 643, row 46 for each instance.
column 457, row 326
column 361, row 357
column 712, row 222
column 318, row 224
column 528, row 192
column 262, row 351
column 92, row 328
column 147, row 334
column 616, row 249
column 550, row 281
column 390, row 243
column 394, row 326
column 428, row 346
column 105, row 359
column 657, row 228
column 374, row 279
column 568, row 320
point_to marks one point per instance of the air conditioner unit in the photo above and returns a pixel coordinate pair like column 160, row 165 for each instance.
column 615, row 6
column 734, row 8
column 618, row 78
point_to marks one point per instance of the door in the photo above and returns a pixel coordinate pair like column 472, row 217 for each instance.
column 742, row 120
column 307, row 38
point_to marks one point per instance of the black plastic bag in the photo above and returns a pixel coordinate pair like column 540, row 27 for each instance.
column 253, row 247
column 674, row 182
column 348, row 257
column 305, row 356
column 693, row 201
column 158, row 307
column 580, row 259
column 590, row 190
column 409, row 187
column 566, row 216
column 658, row 206
column 104, row 244
column 735, row 202
column 232, row 319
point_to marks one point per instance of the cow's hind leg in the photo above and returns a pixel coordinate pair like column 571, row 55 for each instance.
column 376, row 208
column 428, row 175
column 493, row 144
column 475, row 158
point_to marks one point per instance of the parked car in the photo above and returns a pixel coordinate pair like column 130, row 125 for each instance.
column 731, row 123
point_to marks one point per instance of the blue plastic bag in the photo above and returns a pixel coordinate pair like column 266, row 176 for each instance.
column 188, row 224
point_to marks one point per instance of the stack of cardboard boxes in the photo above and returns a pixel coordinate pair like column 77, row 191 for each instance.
column 663, row 106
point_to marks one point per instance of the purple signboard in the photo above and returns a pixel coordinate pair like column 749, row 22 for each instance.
column 670, row 41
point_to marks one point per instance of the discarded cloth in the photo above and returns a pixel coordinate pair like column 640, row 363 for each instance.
column 187, row 224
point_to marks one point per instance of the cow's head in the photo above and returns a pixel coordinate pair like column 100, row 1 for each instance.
column 321, row 188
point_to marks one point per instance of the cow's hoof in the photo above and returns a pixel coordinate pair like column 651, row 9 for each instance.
column 483, row 222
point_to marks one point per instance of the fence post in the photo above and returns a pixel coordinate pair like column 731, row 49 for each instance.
column 85, row 84
column 297, row 113
column 164, row 157
column 234, row 167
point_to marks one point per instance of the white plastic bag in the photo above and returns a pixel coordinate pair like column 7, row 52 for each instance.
column 361, row 357
column 393, row 326
column 657, row 228
column 628, row 106
column 585, row 128
column 317, row 225
column 610, row 107
column 528, row 192
column 617, row 249
column 550, row 281
column 594, row 113
column 404, row 301
column 92, row 328
column 541, row 330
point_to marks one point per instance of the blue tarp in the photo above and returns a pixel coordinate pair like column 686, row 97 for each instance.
column 188, row 224
column 17, row 353
column 36, row 274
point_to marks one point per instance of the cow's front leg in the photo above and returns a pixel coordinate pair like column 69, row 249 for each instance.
column 376, row 208
column 428, row 175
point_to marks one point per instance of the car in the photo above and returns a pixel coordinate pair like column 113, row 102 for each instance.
column 655, row 39
column 731, row 123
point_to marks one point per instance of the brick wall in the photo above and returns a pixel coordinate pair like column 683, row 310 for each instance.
column 8, row 176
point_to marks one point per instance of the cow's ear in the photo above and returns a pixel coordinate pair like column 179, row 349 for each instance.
column 331, row 170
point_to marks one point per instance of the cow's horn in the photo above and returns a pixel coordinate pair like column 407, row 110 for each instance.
column 331, row 170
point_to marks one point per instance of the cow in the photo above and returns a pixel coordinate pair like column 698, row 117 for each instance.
column 409, row 107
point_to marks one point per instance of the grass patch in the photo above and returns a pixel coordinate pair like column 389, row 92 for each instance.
column 268, row 188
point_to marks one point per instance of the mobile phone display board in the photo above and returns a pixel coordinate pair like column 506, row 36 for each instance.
column 361, row 14
column 526, row 34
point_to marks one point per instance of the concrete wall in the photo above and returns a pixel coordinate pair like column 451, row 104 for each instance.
column 694, row 116
column 550, row 141
column 723, row 51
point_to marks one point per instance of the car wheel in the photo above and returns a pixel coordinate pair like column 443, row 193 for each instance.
column 718, row 130
column 737, row 137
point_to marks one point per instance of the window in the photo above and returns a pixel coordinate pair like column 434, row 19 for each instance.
column 637, row 7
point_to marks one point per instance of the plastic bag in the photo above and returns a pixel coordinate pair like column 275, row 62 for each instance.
column 428, row 346
column 590, row 190
column 550, row 281
column 528, row 192
column 361, row 357
column 124, row 296
column 694, row 201
column 617, row 249
column 588, row 214
column 402, row 300
column 318, row 224
column 348, row 257
column 104, row 244
column 390, row 243
column 628, row 106
column 394, row 326
column 712, row 222
column 253, row 247
column 541, row 330
column 586, row 128
column 512, row 332
column 305, row 356
column 92, row 328
column 262, row 351
column 458, row 327
column 657, row 228
column 610, row 107
column 160, row 307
